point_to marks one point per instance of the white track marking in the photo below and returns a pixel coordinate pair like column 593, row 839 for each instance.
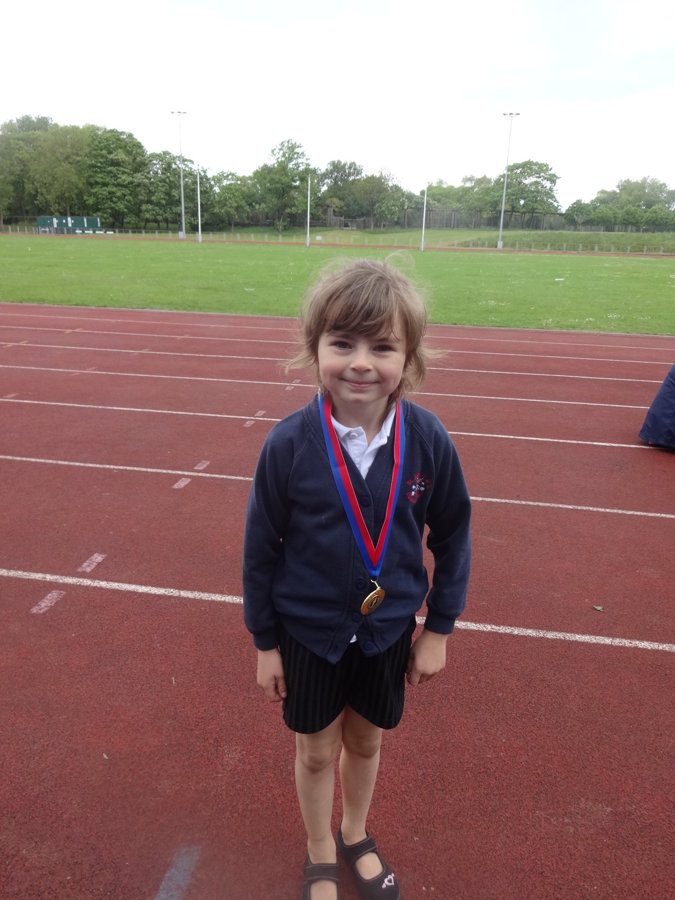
column 296, row 383
column 47, row 602
column 280, row 359
column 575, row 508
column 562, row 636
column 292, row 330
column 113, row 468
column 204, row 464
column 137, row 409
column 147, row 352
column 233, row 321
column 248, row 422
column 453, row 369
column 120, row 586
column 181, row 483
column 92, row 562
column 177, row 879
column 547, row 440
column 502, row 500
column 236, row 600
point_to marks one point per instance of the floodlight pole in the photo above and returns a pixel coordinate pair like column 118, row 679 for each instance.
column 179, row 113
column 511, row 116
column 424, row 219
column 309, row 182
column 199, row 211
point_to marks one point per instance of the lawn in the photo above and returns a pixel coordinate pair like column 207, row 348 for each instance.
column 481, row 287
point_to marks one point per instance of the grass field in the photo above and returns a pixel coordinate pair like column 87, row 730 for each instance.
column 569, row 291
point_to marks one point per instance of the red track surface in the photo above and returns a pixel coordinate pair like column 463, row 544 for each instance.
column 139, row 759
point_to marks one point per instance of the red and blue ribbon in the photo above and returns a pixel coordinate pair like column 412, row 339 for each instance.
column 372, row 554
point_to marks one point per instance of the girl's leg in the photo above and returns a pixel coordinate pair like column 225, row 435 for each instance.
column 359, row 763
column 315, row 784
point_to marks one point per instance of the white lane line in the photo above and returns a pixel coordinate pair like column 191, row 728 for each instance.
column 435, row 332
column 179, row 874
column 238, row 601
column 452, row 369
column 47, row 602
column 491, row 397
column 279, row 359
column 112, row 468
column 181, row 483
column 297, row 383
column 92, row 562
column 565, row 636
column 595, row 509
column 506, row 501
column 120, row 586
column 135, row 409
column 231, row 321
column 259, row 417
column 146, row 351
column 204, row 464
column 637, row 362
column 547, row 440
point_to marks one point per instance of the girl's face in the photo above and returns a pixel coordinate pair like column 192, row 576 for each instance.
column 360, row 373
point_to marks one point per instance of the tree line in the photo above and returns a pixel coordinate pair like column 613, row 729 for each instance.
column 51, row 169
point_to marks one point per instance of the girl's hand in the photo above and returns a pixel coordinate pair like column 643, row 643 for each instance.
column 427, row 657
column 271, row 675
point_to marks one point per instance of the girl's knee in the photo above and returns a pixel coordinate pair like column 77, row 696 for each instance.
column 359, row 736
column 317, row 751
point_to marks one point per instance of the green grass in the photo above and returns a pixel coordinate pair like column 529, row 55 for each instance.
column 572, row 291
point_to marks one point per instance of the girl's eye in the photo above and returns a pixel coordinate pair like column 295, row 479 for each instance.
column 340, row 344
column 383, row 348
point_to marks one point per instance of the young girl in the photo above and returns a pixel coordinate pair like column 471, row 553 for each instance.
column 333, row 557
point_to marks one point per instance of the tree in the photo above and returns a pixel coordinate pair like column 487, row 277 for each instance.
column 578, row 213
column 370, row 191
column 659, row 218
column 283, row 183
column 57, row 168
column 642, row 194
column 530, row 188
column 392, row 206
column 336, row 185
column 229, row 202
column 116, row 177
column 632, row 217
column 161, row 200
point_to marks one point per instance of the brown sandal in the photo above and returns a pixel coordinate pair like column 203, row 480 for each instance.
column 383, row 886
column 319, row 872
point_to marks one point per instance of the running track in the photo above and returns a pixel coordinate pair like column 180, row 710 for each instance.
column 139, row 759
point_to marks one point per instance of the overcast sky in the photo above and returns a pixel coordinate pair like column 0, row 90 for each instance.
column 414, row 89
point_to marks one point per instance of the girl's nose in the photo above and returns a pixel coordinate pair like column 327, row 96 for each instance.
column 360, row 359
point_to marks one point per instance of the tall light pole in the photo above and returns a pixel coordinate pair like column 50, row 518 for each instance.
column 179, row 113
column 506, row 172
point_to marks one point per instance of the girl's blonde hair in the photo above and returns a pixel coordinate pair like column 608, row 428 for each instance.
column 369, row 298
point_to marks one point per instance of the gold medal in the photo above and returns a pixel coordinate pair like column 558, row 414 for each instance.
column 373, row 599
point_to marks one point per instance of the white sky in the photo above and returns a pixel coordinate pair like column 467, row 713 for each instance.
column 415, row 89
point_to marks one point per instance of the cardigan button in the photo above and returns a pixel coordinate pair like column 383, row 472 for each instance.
column 360, row 583
column 368, row 646
column 364, row 501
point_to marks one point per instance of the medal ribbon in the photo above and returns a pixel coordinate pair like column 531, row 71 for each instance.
column 373, row 555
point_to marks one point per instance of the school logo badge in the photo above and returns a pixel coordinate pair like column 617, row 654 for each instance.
column 417, row 486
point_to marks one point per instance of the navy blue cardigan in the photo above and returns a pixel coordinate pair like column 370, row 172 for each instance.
column 301, row 565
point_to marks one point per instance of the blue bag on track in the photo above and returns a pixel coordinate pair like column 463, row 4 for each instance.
column 659, row 425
